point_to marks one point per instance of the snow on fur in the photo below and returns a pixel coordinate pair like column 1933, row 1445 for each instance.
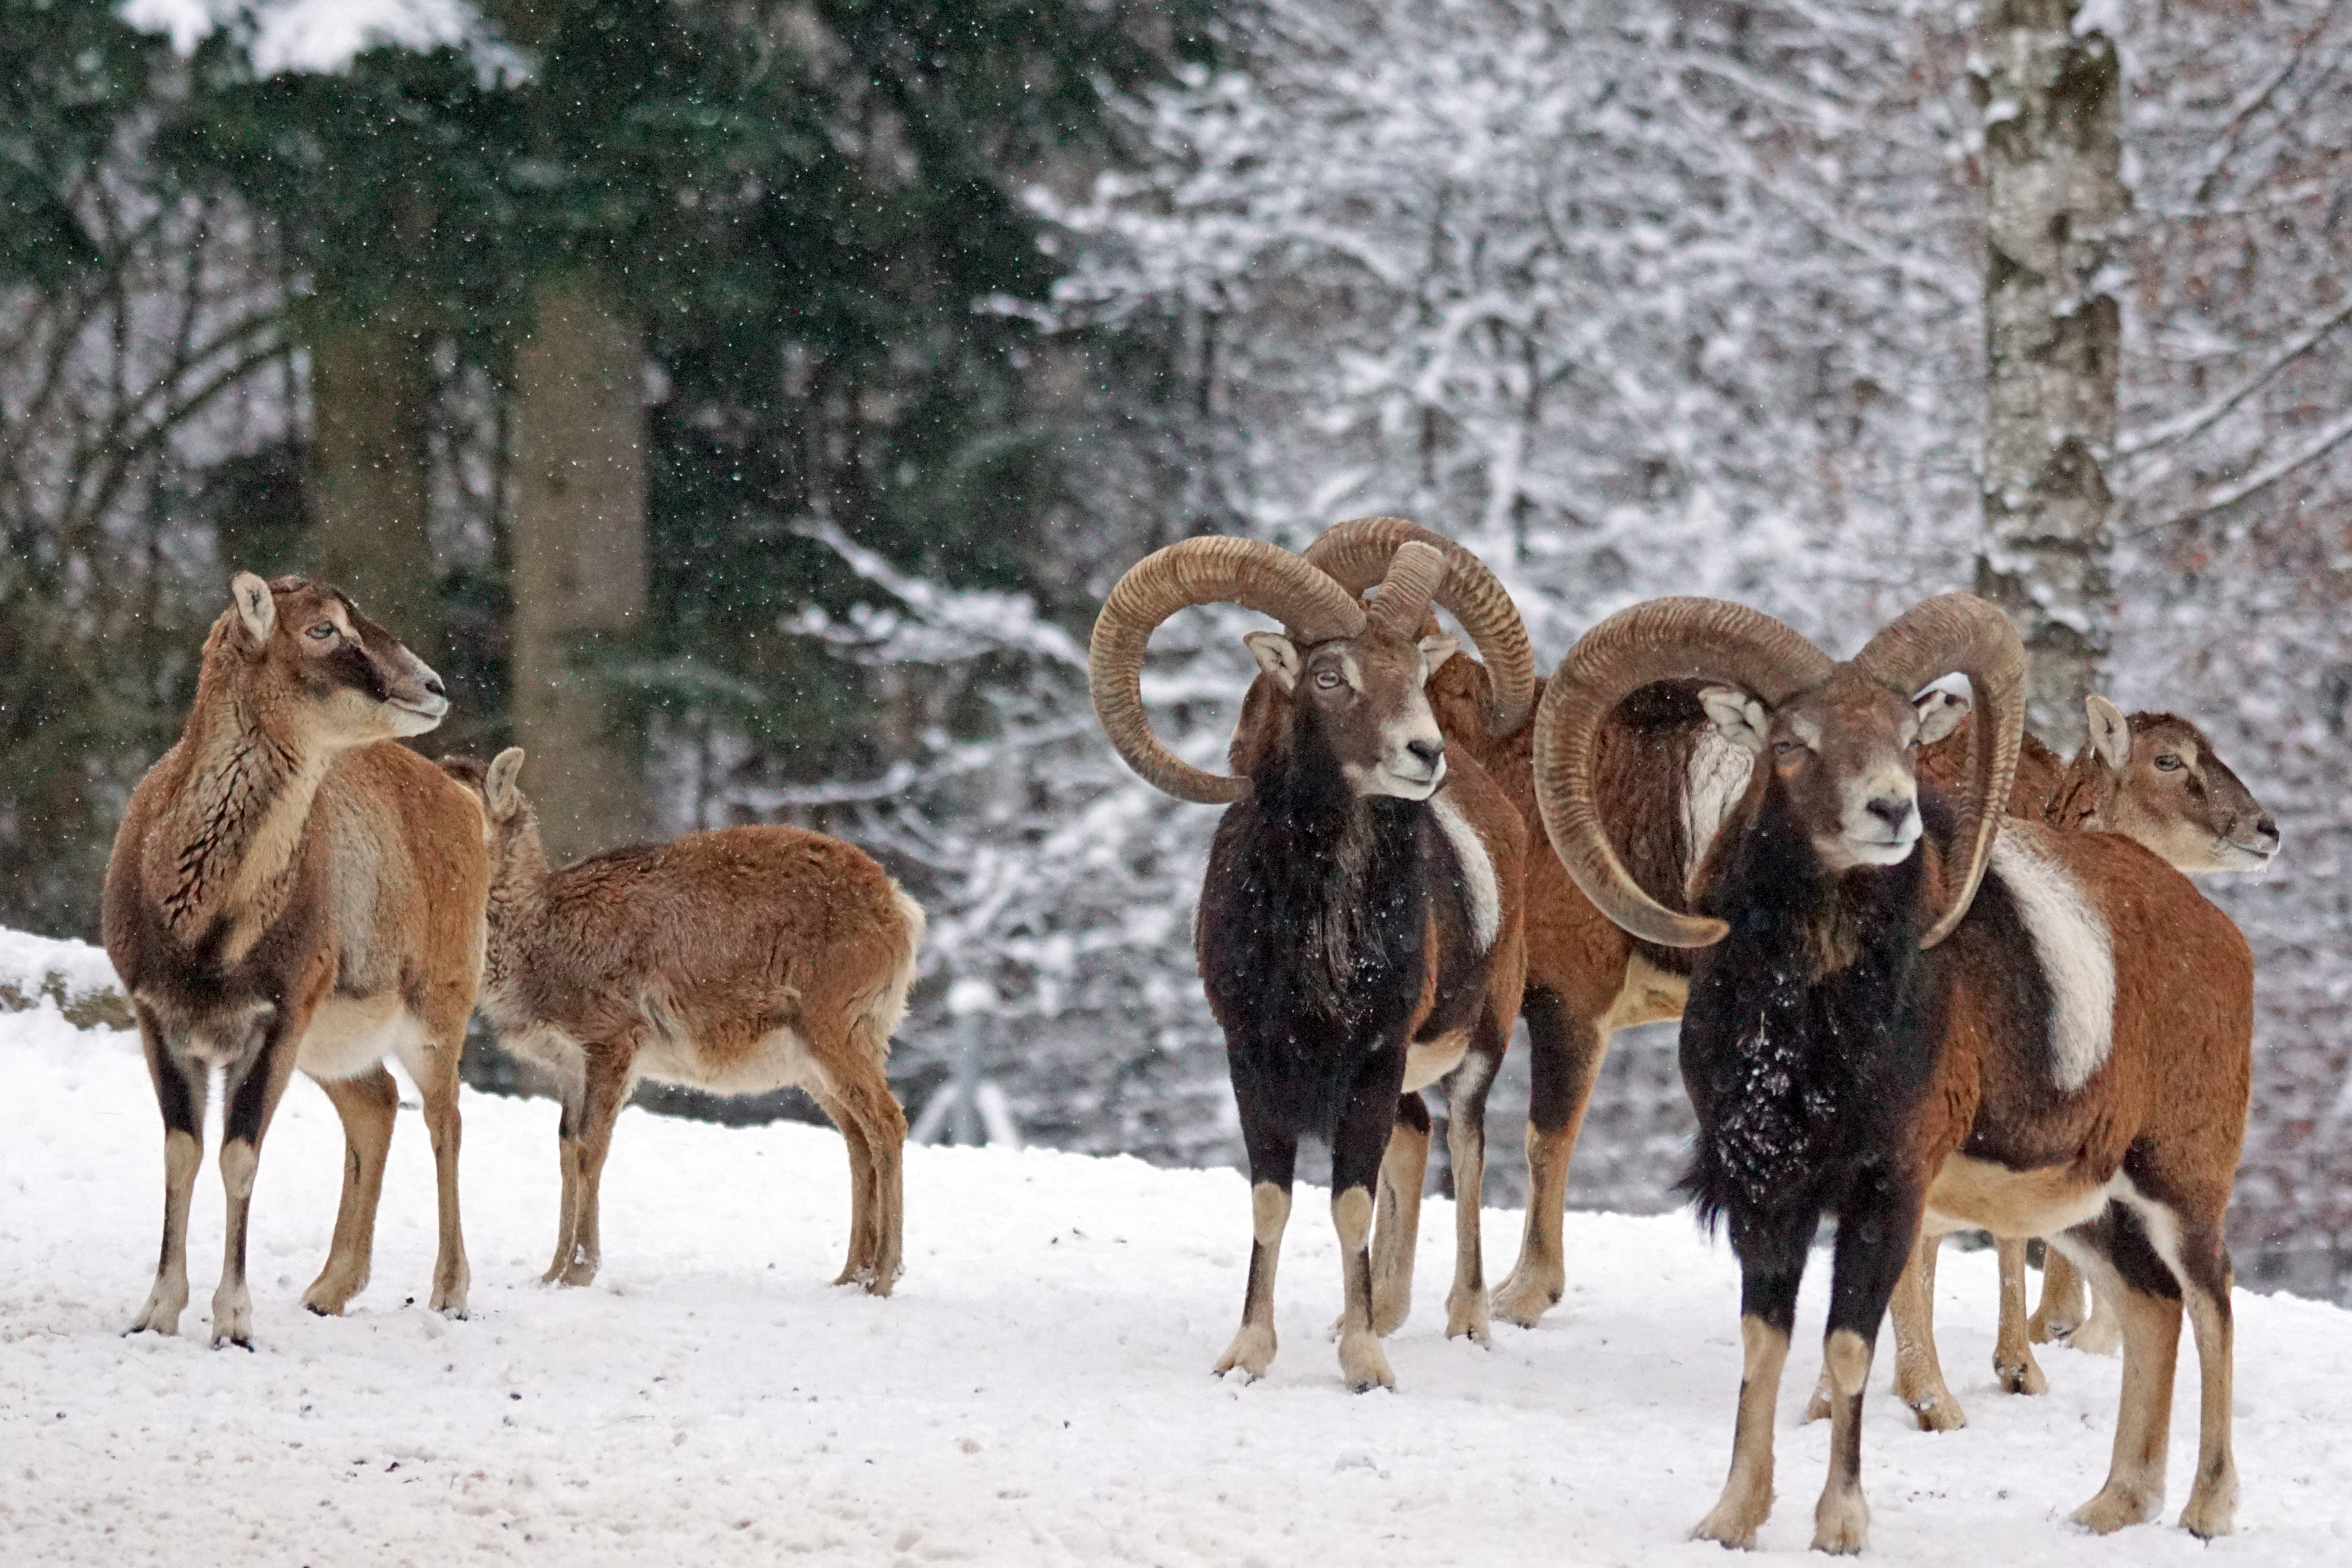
column 1036, row 1393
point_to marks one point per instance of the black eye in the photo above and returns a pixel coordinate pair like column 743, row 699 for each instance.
column 2167, row 763
column 322, row 631
column 1782, row 748
column 1326, row 678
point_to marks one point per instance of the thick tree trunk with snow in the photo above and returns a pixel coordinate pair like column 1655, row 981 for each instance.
column 2054, row 196
column 578, row 547
column 371, row 389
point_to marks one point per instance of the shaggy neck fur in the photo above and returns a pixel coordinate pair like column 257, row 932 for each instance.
column 225, row 847
column 1806, row 1026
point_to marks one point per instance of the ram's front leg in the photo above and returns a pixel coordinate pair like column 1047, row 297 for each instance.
column 1273, row 1157
column 1357, row 1146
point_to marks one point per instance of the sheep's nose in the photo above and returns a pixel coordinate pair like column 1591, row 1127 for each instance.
column 2268, row 827
column 1431, row 752
column 1890, row 809
column 433, row 684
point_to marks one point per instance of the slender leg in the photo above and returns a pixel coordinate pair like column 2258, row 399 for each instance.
column 865, row 1237
column 1768, row 1309
column 437, row 1088
column 2114, row 1253
column 2206, row 1281
column 567, row 1156
column 1918, row 1369
column 1563, row 1063
column 1405, row 1170
column 2012, row 1355
column 368, row 1105
column 866, row 1095
column 2062, row 1311
column 1273, row 1157
column 1877, row 1244
column 607, row 1087
column 252, row 1102
column 1358, row 1144
column 180, row 1092
column 1465, row 1135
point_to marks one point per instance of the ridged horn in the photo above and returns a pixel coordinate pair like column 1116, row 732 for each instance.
column 1358, row 554
column 1415, row 572
column 1961, row 632
column 1664, row 639
column 1245, row 571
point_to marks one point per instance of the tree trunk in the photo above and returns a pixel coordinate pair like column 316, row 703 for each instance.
column 2053, row 196
column 577, row 543
column 371, row 389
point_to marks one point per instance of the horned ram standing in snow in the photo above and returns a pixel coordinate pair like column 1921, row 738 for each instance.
column 2074, row 1062
column 1665, row 777
column 733, row 961
column 1358, row 930
column 289, row 887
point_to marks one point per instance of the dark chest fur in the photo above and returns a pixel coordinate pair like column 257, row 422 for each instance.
column 1811, row 1028
column 1315, row 933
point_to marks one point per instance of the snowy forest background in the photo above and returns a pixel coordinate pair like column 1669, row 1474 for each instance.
column 745, row 405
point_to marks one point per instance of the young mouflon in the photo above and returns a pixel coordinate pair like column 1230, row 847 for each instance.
column 733, row 961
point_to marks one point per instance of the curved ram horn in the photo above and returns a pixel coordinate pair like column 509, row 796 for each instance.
column 1358, row 553
column 1245, row 571
column 1961, row 632
column 1415, row 572
column 1664, row 639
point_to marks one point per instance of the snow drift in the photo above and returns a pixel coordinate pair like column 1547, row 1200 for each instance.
column 1036, row 1392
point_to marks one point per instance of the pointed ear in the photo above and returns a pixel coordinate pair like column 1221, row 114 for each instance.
column 1276, row 657
column 2110, row 731
column 1940, row 711
column 1738, row 717
column 498, row 784
column 1437, row 650
column 257, row 609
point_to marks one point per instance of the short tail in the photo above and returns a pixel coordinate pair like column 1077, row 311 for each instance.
column 877, row 1018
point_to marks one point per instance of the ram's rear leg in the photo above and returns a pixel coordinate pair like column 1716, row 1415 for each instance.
column 1404, row 1171
column 2205, row 1276
column 1563, row 1063
column 2115, row 1254
column 1467, row 1310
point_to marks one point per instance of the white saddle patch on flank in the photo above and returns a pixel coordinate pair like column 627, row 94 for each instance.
column 1719, row 777
column 2077, row 956
column 1477, row 871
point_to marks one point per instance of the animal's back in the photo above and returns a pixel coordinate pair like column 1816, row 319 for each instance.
column 779, row 907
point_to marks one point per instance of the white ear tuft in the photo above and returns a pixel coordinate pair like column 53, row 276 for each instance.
column 499, row 783
column 1940, row 711
column 257, row 608
column 2110, row 731
column 1438, row 649
column 1738, row 717
column 1276, row 657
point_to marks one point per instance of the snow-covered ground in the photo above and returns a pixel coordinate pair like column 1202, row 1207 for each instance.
column 1037, row 1391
